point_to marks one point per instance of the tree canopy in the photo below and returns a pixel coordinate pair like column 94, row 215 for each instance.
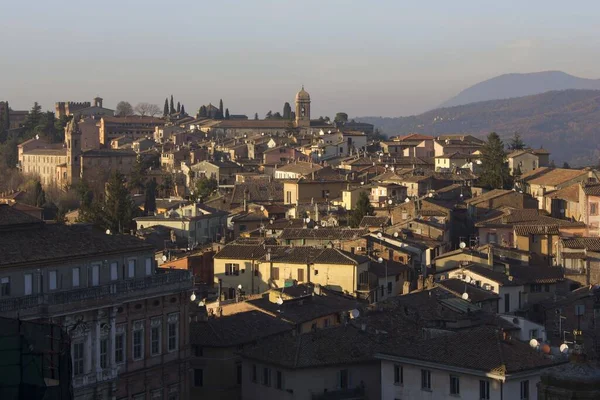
column 124, row 109
column 516, row 143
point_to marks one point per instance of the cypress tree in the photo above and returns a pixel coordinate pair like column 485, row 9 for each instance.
column 172, row 106
column 227, row 113
column 255, row 116
column 202, row 113
column 221, row 107
column 182, row 109
column 287, row 110
column 495, row 173
column 166, row 108
column 178, row 107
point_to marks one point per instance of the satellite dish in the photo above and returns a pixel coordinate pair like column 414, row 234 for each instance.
column 279, row 301
column 354, row 314
column 108, row 231
column 164, row 258
column 467, row 279
column 396, row 234
column 316, row 226
column 462, row 245
column 465, row 296
column 564, row 348
column 430, row 195
column 240, row 286
column 37, row 137
column 323, row 223
column 379, row 235
column 380, row 260
column 201, row 303
column 193, row 296
column 533, row 343
column 262, row 208
column 407, row 200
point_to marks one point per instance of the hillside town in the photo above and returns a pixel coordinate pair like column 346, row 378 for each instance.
column 154, row 253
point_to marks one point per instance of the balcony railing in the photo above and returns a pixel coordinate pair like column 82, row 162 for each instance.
column 173, row 280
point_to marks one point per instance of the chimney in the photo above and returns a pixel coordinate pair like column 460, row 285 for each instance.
column 420, row 283
column 490, row 256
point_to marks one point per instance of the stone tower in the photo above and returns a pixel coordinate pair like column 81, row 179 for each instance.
column 73, row 142
column 98, row 101
column 302, row 109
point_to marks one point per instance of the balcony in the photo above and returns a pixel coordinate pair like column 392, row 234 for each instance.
column 342, row 394
column 51, row 304
column 93, row 378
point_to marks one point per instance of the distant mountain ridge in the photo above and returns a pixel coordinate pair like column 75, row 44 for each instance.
column 518, row 85
column 567, row 123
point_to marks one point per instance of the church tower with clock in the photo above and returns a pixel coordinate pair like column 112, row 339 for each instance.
column 302, row 109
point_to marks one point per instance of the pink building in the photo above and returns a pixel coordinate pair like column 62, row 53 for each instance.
column 414, row 145
column 278, row 155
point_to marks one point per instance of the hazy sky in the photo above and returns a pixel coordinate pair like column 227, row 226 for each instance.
column 364, row 57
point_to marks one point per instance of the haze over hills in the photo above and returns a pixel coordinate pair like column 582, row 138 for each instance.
column 567, row 123
column 517, row 85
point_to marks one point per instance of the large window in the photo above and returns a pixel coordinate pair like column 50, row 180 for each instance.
column 275, row 273
column 103, row 353
column 398, row 375
column 52, row 280
column 484, row 390
column 593, row 208
column 120, row 348
column 172, row 332
column 131, row 269
column 114, row 271
column 78, row 358
column 76, row 277
column 425, row 379
column 95, row 275
column 138, row 340
column 524, row 390
column 198, row 377
column 279, row 380
column 266, row 376
column 28, row 284
column 148, row 266
column 5, row 286
column 155, row 335
column 344, row 379
column 454, row 385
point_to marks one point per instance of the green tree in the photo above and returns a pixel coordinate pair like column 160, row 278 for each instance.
column 172, row 106
column 566, row 165
column 124, row 109
column 166, row 107
column 39, row 196
column 183, row 110
column 287, row 111
column 118, row 207
column 150, row 197
column 363, row 207
column 516, row 143
column 178, row 107
column 269, row 115
column 204, row 188
column 202, row 113
column 221, row 107
column 341, row 118
column 137, row 176
column 59, row 126
column 277, row 115
column 495, row 173
column 9, row 153
column 256, row 116
column 227, row 113
column 34, row 117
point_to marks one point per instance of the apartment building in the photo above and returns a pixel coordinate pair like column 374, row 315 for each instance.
column 127, row 321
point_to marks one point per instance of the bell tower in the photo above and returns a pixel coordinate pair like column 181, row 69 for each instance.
column 73, row 142
column 302, row 109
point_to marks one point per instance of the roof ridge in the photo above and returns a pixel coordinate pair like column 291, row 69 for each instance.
column 345, row 255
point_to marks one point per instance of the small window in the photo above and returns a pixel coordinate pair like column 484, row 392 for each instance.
column 398, row 375
column 254, row 373
column 425, row 379
column 275, row 273
column 484, row 390
column 131, row 269
column 454, row 385
column 524, row 390
column 344, row 381
column 5, row 286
